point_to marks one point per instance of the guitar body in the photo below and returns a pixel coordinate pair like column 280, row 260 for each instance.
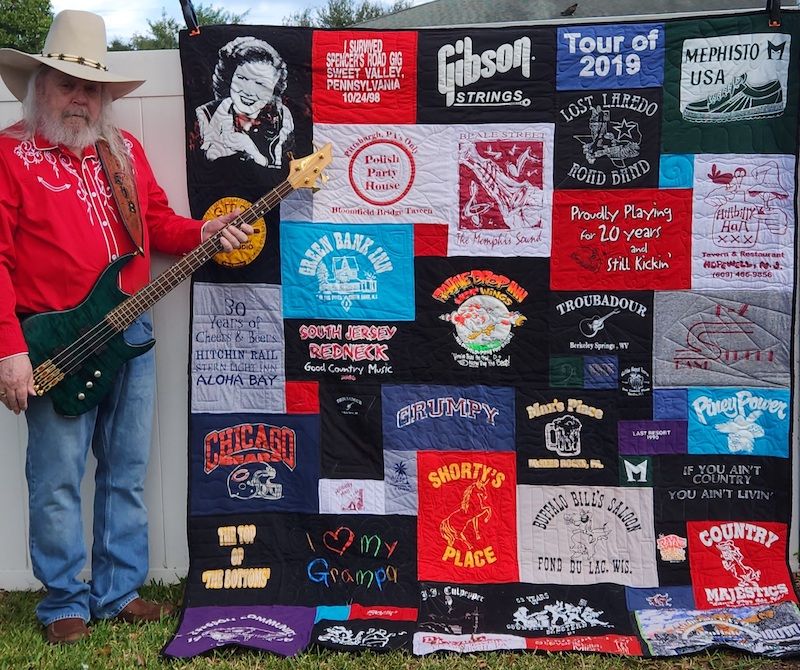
column 83, row 387
column 590, row 327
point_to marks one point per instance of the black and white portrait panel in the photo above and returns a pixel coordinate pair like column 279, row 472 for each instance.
column 247, row 117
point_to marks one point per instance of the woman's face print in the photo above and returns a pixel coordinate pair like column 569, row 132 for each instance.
column 253, row 86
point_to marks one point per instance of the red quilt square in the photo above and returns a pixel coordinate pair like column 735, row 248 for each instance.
column 467, row 520
column 634, row 239
column 738, row 563
column 302, row 397
column 364, row 77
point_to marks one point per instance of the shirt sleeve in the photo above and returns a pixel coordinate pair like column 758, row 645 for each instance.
column 11, row 339
column 169, row 232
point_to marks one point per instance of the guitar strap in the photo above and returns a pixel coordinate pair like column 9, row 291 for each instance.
column 123, row 186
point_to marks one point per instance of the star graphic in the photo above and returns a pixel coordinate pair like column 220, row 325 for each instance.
column 624, row 128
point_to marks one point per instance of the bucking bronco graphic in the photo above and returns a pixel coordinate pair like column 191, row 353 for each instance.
column 463, row 524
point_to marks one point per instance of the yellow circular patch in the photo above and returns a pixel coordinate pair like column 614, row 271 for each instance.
column 252, row 247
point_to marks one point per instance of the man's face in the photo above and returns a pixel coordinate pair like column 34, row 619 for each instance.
column 253, row 86
column 69, row 107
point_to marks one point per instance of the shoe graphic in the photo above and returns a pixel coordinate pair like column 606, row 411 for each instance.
column 738, row 101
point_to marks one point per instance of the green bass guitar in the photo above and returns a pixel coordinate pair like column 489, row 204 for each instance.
column 76, row 353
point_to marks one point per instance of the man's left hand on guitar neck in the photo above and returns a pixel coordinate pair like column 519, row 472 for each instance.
column 233, row 237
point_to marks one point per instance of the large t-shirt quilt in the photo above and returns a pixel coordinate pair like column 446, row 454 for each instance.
column 518, row 376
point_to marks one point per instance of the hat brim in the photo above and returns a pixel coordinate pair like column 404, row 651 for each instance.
column 16, row 68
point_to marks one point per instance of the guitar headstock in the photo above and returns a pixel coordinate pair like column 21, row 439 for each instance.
column 304, row 172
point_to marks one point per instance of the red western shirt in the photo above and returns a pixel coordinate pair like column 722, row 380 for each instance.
column 59, row 228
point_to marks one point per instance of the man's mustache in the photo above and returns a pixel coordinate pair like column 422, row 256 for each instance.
column 75, row 111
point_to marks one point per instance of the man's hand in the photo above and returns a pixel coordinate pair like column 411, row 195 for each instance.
column 16, row 382
column 232, row 237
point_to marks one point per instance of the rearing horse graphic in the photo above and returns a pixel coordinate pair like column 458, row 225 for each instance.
column 473, row 508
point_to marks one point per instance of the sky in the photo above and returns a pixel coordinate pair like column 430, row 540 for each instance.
column 130, row 16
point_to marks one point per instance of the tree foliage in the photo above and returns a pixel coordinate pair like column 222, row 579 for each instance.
column 163, row 33
column 343, row 13
column 24, row 24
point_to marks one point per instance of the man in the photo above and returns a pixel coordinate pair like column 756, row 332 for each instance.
column 59, row 229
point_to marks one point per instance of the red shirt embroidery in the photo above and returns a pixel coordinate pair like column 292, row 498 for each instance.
column 59, row 229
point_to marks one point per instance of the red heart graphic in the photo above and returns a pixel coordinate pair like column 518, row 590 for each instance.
column 338, row 544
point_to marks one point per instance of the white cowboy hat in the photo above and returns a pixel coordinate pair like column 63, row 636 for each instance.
column 76, row 45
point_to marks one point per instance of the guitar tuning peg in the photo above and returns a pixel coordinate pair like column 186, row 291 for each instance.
column 290, row 155
column 324, row 177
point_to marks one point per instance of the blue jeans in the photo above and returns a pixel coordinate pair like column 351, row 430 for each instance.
column 119, row 432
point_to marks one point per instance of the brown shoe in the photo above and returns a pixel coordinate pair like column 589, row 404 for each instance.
column 67, row 631
column 143, row 610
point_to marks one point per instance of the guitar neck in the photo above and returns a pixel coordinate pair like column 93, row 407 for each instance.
column 129, row 309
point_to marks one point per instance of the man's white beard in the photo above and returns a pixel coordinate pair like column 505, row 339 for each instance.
column 74, row 135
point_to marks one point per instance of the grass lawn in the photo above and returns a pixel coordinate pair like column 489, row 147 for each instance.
column 120, row 646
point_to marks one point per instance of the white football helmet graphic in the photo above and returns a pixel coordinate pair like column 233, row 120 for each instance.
column 254, row 480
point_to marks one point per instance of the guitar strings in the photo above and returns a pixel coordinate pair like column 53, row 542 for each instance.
column 67, row 360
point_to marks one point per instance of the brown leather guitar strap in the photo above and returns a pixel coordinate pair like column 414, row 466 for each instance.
column 123, row 187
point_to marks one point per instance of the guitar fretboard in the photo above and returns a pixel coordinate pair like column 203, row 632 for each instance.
column 129, row 309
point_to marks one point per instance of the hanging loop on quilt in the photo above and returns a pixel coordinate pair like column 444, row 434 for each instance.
column 774, row 11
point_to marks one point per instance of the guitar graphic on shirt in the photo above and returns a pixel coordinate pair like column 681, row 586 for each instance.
column 77, row 352
column 590, row 327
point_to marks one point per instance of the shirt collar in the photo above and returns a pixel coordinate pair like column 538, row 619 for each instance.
column 42, row 144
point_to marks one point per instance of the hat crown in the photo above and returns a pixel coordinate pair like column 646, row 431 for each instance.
column 77, row 33
column 76, row 46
